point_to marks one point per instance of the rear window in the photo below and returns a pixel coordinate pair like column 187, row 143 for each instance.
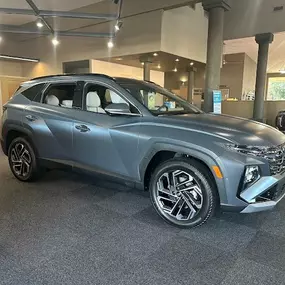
column 32, row 92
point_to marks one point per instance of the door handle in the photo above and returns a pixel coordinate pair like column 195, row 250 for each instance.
column 31, row 118
column 82, row 128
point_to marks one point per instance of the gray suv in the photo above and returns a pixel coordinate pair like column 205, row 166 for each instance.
column 140, row 133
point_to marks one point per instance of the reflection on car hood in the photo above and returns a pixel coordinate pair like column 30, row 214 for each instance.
column 234, row 129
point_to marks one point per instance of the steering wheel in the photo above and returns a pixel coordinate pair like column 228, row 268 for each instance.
column 163, row 106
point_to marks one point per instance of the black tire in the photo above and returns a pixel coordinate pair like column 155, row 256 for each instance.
column 201, row 177
column 34, row 171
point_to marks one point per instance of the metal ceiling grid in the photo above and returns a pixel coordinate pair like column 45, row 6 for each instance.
column 43, row 14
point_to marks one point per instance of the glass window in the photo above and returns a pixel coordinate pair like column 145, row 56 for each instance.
column 276, row 88
column 98, row 97
column 158, row 100
column 32, row 92
column 60, row 95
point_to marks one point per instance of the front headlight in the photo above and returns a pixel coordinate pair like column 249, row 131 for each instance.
column 252, row 175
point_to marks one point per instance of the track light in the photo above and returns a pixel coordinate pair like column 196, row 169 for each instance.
column 175, row 69
column 118, row 25
column 155, row 54
column 192, row 63
column 55, row 41
column 110, row 44
column 39, row 24
column 159, row 66
column 177, row 59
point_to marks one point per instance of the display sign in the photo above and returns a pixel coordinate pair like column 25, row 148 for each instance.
column 217, row 102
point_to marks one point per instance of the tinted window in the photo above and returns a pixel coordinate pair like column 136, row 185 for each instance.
column 60, row 95
column 98, row 97
column 158, row 100
column 32, row 92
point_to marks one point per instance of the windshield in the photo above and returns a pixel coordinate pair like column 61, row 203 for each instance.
column 158, row 100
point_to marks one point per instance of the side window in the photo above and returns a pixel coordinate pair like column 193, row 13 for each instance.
column 32, row 92
column 60, row 95
column 98, row 97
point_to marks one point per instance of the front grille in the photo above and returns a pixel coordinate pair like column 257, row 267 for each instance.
column 275, row 157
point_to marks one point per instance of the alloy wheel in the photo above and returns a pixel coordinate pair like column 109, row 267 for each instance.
column 178, row 195
column 21, row 160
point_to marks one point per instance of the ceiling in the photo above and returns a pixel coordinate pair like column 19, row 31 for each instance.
column 276, row 60
column 130, row 8
column 165, row 62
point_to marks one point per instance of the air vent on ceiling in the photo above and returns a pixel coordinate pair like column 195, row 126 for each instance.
column 278, row 8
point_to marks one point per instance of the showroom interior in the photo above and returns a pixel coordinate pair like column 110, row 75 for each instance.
column 69, row 228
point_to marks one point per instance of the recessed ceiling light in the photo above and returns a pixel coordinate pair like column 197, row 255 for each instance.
column 192, row 63
column 110, row 44
column 142, row 63
column 40, row 24
column 177, row 59
column 155, row 54
column 159, row 66
column 175, row 69
column 282, row 71
column 55, row 41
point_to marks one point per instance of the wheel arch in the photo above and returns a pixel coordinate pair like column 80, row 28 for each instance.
column 14, row 131
column 162, row 152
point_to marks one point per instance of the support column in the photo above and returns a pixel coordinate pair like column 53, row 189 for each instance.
column 216, row 9
column 191, row 83
column 146, row 60
column 263, row 41
column 146, row 71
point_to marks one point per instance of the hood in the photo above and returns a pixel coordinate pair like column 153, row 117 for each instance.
column 233, row 129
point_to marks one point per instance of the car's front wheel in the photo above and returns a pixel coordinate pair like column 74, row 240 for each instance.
column 183, row 193
column 22, row 160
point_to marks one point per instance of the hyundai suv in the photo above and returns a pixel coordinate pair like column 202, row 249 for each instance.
column 142, row 134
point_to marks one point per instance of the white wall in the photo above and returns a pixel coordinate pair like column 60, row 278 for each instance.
column 119, row 70
column 249, row 75
column 250, row 17
column 185, row 32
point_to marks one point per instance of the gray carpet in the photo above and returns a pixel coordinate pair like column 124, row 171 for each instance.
column 69, row 229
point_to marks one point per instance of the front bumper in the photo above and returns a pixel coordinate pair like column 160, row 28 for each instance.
column 264, row 194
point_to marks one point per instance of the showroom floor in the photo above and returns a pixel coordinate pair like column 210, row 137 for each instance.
column 67, row 229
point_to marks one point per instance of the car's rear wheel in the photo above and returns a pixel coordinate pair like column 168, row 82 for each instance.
column 183, row 192
column 22, row 160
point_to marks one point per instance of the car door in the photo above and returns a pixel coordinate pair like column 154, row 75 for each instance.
column 50, row 121
column 106, row 143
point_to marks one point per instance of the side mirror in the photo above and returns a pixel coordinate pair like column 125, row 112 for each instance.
column 118, row 109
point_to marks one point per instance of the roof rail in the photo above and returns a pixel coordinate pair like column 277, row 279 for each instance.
column 73, row 74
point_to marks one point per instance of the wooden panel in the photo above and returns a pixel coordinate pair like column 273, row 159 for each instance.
column 8, row 87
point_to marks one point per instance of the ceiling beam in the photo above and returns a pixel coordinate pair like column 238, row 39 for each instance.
column 63, row 14
column 12, row 29
column 77, row 15
column 37, row 13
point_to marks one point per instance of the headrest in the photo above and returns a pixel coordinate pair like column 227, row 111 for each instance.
column 52, row 100
column 93, row 99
